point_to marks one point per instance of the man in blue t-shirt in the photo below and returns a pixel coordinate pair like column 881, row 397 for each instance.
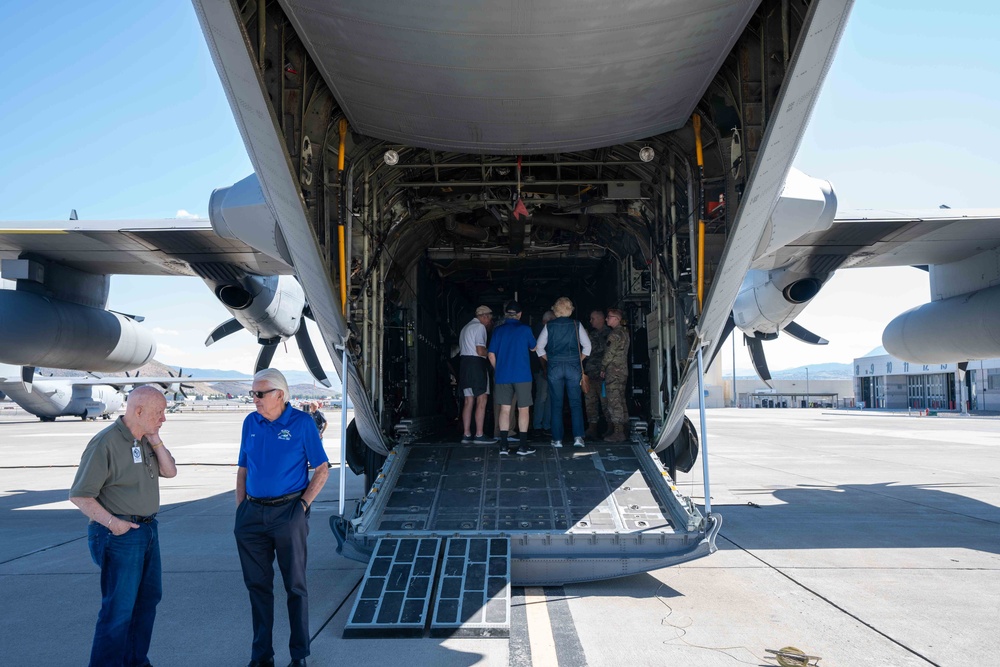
column 274, row 495
column 509, row 352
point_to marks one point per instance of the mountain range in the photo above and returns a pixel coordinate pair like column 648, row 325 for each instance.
column 828, row 371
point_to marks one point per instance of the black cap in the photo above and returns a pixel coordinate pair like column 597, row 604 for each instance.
column 512, row 307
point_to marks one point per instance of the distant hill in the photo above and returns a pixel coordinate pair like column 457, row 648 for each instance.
column 829, row 371
column 293, row 377
column 300, row 383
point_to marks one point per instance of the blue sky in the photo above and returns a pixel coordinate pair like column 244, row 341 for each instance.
column 115, row 109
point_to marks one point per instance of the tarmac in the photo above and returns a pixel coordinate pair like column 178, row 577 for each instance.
column 861, row 538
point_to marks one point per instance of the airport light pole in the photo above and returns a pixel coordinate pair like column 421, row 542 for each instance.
column 736, row 396
column 807, row 386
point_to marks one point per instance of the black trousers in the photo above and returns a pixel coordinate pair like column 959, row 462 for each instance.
column 261, row 534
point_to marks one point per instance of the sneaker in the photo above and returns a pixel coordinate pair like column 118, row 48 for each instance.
column 504, row 451
column 483, row 440
column 524, row 450
column 466, row 439
column 578, row 442
column 556, row 444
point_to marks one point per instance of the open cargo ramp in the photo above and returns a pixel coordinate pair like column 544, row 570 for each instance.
column 571, row 514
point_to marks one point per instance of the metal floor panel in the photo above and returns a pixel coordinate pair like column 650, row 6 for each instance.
column 473, row 592
column 395, row 593
column 600, row 488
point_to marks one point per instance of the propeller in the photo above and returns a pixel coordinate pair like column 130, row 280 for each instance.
column 755, row 343
column 27, row 373
column 756, row 346
column 799, row 332
column 269, row 346
column 180, row 385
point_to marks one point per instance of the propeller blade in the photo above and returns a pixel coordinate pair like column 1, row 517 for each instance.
column 757, row 357
column 307, row 311
column 228, row 327
column 963, row 366
column 27, row 373
column 728, row 329
column 265, row 357
column 799, row 332
column 309, row 355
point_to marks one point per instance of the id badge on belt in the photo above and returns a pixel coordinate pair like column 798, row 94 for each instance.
column 136, row 452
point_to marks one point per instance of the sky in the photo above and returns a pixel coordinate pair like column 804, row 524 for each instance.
column 115, row 109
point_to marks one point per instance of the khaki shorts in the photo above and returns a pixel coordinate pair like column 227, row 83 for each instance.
column 506, row 392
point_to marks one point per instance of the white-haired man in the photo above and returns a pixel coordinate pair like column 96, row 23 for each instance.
column 117, row 486
column 274, row 494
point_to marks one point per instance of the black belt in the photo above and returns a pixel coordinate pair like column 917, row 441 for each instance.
column 276, row 500
column 135, row 518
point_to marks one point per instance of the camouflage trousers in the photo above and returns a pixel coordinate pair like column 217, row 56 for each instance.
column 614, row 387
column 593, row 400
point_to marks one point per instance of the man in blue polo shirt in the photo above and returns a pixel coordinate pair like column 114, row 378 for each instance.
column 509, row 352
column 274, row 495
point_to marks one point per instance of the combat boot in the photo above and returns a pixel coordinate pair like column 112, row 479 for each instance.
column 591, row 432
column 617, row 435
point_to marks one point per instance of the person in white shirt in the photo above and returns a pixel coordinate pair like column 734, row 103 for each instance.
column 474, row 375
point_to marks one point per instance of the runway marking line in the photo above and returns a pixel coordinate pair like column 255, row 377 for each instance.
column 540, row 638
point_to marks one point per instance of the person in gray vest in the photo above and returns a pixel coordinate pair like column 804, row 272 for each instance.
column 562, row 345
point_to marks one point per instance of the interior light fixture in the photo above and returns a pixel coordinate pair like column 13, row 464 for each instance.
column 391, row 157
column 646, row 153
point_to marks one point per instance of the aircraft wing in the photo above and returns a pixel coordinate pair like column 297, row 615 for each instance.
column 167, row 247
column 118, row 381
column 875, row 238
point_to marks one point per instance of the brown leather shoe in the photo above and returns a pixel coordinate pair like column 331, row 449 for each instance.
column 591, row 432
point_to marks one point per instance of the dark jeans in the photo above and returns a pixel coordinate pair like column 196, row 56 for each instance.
column 543, row 415
column 564, row 379
column 130, row 589
column 262, row 533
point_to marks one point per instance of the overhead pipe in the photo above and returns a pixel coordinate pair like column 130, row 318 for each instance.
column 464, row 229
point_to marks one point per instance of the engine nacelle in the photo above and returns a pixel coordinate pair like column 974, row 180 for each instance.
column 270, row 307
column 768, row 300
column 806, row 205
column 41, row 331
column 950, row 330
column 240, row 212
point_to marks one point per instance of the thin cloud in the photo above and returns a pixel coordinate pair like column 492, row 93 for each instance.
column 186, row 215
column 160, row 331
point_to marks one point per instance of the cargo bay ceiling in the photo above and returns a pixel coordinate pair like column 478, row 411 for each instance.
column 535, row 77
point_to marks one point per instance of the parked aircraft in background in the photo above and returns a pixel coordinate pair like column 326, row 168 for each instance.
column 90, row 397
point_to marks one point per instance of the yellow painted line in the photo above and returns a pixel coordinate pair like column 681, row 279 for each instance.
column 540, row 639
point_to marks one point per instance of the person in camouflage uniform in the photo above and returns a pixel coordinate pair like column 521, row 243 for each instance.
column 614, row 370
column 592, row 367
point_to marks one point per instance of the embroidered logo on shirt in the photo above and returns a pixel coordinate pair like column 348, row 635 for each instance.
column 284, row 435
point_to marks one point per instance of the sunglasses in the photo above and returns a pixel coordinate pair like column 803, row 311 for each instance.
column 261, row 394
